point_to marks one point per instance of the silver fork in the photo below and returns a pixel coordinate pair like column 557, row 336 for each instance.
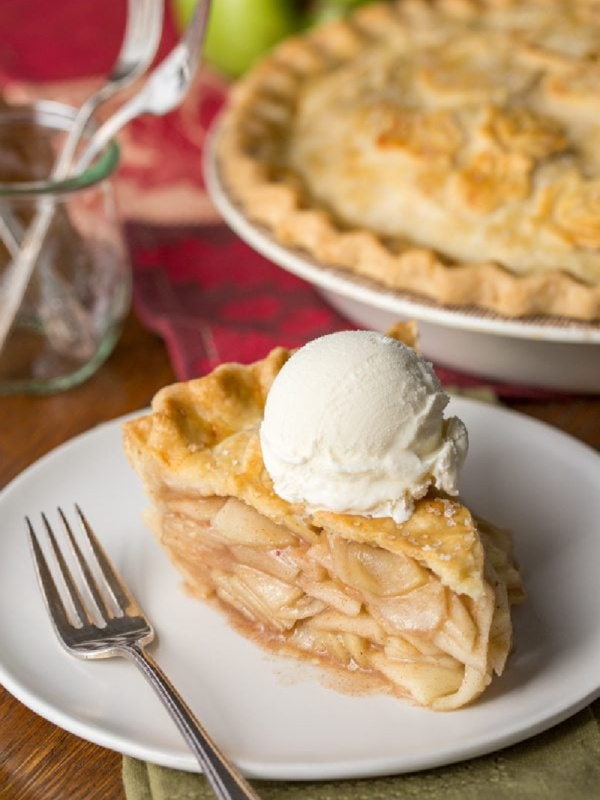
column 140, row 43
column 106, row 621
column 164, row 89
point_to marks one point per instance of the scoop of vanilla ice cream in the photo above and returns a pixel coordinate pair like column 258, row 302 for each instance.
column 354, row 423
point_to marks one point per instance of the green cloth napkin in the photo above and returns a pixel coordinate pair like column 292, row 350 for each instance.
column 562, row 763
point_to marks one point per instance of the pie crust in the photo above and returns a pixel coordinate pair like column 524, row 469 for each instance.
column 420, row 609
column 448, row 149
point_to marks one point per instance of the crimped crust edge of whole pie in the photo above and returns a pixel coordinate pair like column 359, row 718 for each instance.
column 252, row 167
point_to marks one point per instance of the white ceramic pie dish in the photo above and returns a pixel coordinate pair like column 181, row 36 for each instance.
column 563, row 356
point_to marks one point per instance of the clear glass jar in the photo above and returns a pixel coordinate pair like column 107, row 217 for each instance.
column 79, row 291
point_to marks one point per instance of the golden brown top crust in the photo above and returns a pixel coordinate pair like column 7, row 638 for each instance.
column 203, row 436
column 447, row 148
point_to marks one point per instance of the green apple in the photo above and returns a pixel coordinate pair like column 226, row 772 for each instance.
column 239, row 31
column 325, row 10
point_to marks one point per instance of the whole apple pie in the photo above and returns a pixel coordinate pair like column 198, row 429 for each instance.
column 414, row 598
column 445, row 148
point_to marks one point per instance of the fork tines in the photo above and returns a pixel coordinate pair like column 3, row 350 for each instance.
column 106, row 590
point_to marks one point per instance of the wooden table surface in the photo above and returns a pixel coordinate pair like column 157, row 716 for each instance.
column 39, row 761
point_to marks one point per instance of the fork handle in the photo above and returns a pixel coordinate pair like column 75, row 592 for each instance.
column 225, row 780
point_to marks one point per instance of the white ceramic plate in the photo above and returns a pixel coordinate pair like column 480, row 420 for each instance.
column 274, row 717
column 537, row 353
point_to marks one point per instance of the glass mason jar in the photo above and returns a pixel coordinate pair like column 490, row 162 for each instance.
column 65, row 318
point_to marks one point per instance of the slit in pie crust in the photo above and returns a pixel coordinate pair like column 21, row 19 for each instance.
column 422, row 608
column 446, row 148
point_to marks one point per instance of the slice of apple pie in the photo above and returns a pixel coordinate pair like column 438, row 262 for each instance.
column 421, row 607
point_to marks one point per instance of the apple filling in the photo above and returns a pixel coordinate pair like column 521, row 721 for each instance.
column 352, row 604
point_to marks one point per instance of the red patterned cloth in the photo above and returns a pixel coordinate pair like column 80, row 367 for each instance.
column 214, row 299
column 210, row 296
